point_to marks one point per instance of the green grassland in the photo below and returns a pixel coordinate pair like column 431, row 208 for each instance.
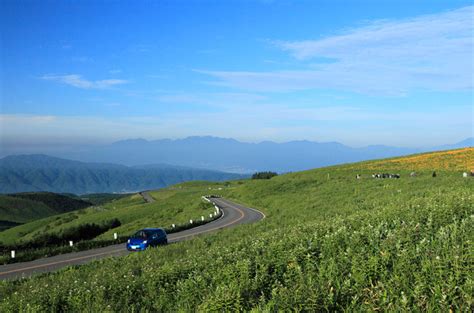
column 132, row 211
column 101, row 198
column 22, row 210
column 330, row 242
column 25, row 207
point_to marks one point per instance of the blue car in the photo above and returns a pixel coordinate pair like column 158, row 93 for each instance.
column 148, row 237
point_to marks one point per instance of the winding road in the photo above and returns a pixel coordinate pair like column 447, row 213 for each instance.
column 233, row 214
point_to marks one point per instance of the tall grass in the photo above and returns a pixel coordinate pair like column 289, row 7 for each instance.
column 330, row 242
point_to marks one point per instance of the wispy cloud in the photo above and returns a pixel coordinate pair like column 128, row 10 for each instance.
column 221, row 99
column 264, row 122
column 389, row 57
column 79, row 82
column 26, row 119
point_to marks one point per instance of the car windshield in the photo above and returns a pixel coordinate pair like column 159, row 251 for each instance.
column 142, row 234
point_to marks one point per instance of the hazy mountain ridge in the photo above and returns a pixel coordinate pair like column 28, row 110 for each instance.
column 468, row 142
column 231, row 155
column 44, row 173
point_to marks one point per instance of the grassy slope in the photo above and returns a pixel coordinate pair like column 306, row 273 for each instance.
column 132, row 212
column 459, row 159
column 328, row 243
column 26, row 207
column 22, row 210
column 101, row 198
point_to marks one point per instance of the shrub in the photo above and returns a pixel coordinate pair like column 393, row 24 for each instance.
column 264, row 175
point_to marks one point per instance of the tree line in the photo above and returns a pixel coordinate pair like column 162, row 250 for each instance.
column 264, row 175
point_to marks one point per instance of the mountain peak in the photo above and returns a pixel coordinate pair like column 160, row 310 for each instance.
column 468, row 142
column 208, row 139
column 132, row 141
column 35, row 160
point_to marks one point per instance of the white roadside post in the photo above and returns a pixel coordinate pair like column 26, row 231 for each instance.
column 210, row 215
column 173, row 225
column 215, row 213
column 70, row 243
column 190, row 221
column 115, row 236
column 13, row 254
column 202, row 218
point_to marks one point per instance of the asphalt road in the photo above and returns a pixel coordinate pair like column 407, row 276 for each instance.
column 234, row 214
column 147, row 197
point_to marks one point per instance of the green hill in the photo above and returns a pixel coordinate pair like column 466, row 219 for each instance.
column 174, row 207
column 34, row 173
column 330, row 242
column 459, row 159
column 25, row 207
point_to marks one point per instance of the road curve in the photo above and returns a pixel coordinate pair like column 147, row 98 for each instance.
column 233, row 214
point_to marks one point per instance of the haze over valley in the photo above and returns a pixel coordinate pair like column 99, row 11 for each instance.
column 230, row 155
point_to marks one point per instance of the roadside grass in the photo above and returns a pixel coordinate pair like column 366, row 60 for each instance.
column 330, row 242
column 132, row 212
column 57, row 223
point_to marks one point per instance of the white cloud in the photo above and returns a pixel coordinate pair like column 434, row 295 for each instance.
column 26, row 119
column 389, row 57
column 79, row 82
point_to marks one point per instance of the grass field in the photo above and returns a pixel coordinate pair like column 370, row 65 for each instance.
column 28, row 206
column 460, row 159
column 22, row 210
column 330, row 242
column 132, row 211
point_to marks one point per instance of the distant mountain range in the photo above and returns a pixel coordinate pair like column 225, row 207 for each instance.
column 231, row 155
column 22, row 173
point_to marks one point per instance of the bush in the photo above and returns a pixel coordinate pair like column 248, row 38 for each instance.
column 264, row 175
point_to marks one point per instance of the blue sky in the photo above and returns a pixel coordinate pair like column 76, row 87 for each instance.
column 357, row 72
